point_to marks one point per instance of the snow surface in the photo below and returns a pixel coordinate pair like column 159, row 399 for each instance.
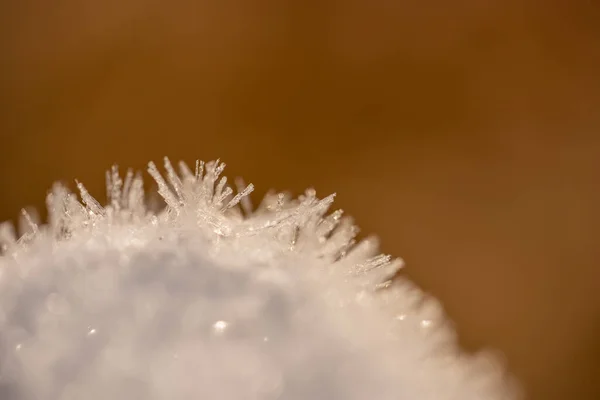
column 211, row 299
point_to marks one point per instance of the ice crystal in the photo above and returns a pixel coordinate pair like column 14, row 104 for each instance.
column 210, row 299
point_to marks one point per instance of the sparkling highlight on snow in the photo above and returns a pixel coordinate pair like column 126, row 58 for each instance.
column 209, row 298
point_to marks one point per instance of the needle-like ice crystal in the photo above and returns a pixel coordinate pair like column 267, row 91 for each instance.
column 210, row 299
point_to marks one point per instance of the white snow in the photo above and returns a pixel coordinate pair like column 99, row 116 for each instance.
column 209, row 299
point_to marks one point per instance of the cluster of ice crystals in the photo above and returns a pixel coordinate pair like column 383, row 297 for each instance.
column 210, row 299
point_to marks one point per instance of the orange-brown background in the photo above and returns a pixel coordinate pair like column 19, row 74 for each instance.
column 465, row 133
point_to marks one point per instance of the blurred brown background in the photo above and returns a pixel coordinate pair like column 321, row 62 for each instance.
column 465, row 133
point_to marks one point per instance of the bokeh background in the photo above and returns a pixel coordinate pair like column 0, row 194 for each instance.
column 465, row 133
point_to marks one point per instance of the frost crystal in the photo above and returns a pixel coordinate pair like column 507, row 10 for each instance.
column 210, row 299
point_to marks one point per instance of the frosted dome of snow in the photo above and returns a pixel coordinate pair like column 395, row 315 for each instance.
column 210, row 299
